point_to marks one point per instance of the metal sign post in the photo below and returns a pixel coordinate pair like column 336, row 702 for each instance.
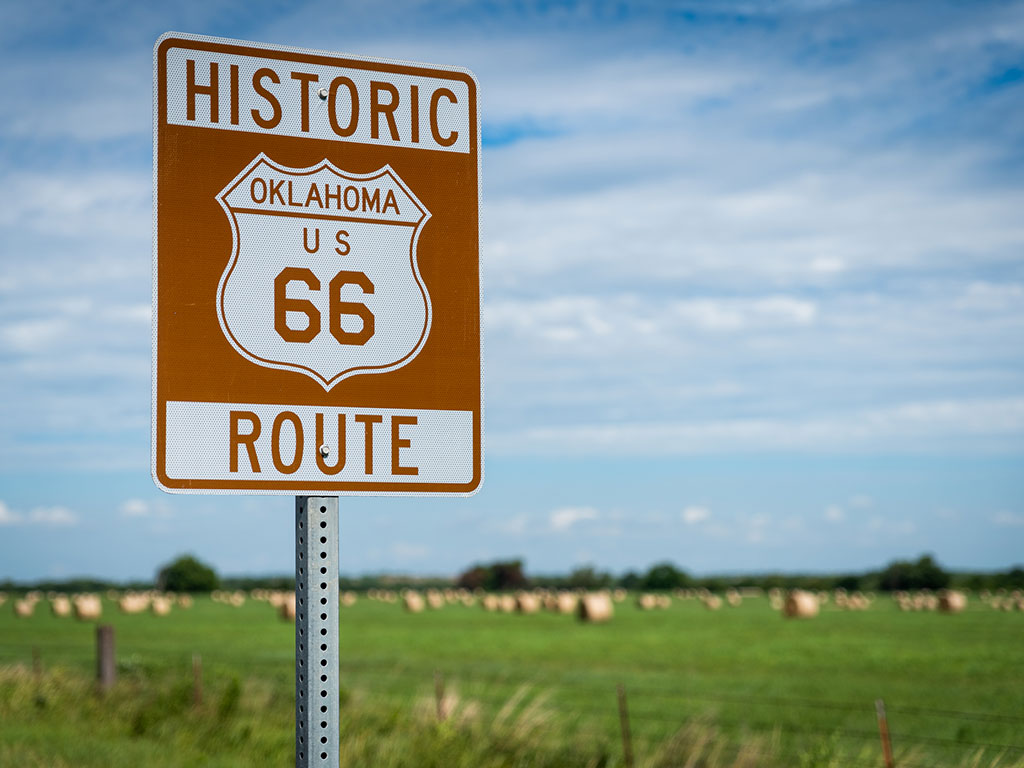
column 317, row 735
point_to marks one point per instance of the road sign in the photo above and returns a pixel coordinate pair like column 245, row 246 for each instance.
column 316, row 279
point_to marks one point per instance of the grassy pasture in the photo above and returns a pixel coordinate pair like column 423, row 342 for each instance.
column 789, row 692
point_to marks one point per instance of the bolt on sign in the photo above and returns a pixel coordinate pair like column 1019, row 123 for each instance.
column 316, row 282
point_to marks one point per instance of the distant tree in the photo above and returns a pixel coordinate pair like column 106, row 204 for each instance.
column 665, row 576
column 477, row 577
column 508, row 575
column 586, row 577
column 187, row 574
column 1012, row 579
column 849, row 582
column 630, row 580
column 497, row 576
column 904, row 575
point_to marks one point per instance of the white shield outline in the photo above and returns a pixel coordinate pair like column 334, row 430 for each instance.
column 386, row 170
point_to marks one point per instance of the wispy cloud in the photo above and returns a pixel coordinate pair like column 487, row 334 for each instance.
column 53, row 517
column 140, row 508
column 694, row 514
column 50, row 517
column 8, row 516
column 1008, row 519
column 564, row 518
column 834, row 513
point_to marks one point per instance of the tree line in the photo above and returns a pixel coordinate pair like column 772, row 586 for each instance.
column 188, row 574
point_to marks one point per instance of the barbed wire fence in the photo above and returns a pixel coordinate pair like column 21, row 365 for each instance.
column 654, row 714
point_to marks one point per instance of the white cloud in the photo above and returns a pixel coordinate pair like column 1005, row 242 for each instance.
column 834, row 513
column 1006, row 518
column 909, row 426
column 143, row 508
column 694, row 514
column 514, row 526
column 8, row 516
column 135, row 508
column 564, row 518
column 50, row 517
column 53, row 517
column 861, row 501
column 403, row 550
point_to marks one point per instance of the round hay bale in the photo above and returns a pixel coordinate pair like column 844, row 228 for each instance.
column 951, row 601
column 507, row 603
column 595, row 607
column 646, row 602
column 435, row 599
column 24, row 608
column 286, row 606
column 565, row 602
column 133, row 603
column 61, row 606
column 733, row 598
column 490, row 603
column 87, row 607
column 348, row 599
column 160, row 605
column 527, row 602
column 712, row 602
column 800, row 605
column 185, row 601
column 413, row 602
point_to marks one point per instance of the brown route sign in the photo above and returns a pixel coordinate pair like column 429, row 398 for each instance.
column 316, row 276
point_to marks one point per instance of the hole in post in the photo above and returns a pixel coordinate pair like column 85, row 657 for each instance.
column 323, row 601
column 323, row 694
column 323, row 739
column 323, row 509
column 323, row 523
column 323, row 631
column 323, row 585
column 323, row 539
column 323, row 617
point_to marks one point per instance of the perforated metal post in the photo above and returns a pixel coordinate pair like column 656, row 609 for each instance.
column 316, row 632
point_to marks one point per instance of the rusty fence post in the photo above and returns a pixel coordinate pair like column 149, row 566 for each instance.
column 106, row 666
column 883, row 732
column 627, row 736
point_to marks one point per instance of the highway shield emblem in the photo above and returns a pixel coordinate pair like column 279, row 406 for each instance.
column 323, row 277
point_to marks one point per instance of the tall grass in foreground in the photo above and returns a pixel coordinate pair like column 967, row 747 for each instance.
column 56, row 719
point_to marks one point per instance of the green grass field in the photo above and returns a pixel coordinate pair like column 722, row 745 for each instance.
column 738, row 687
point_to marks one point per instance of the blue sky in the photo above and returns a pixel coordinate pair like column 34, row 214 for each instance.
column 753, row 280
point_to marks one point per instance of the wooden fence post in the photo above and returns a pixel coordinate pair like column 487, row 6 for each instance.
column 197, row 680
column 883, row 731
column 627, row 736
column 439, row 695
column 106, row 668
